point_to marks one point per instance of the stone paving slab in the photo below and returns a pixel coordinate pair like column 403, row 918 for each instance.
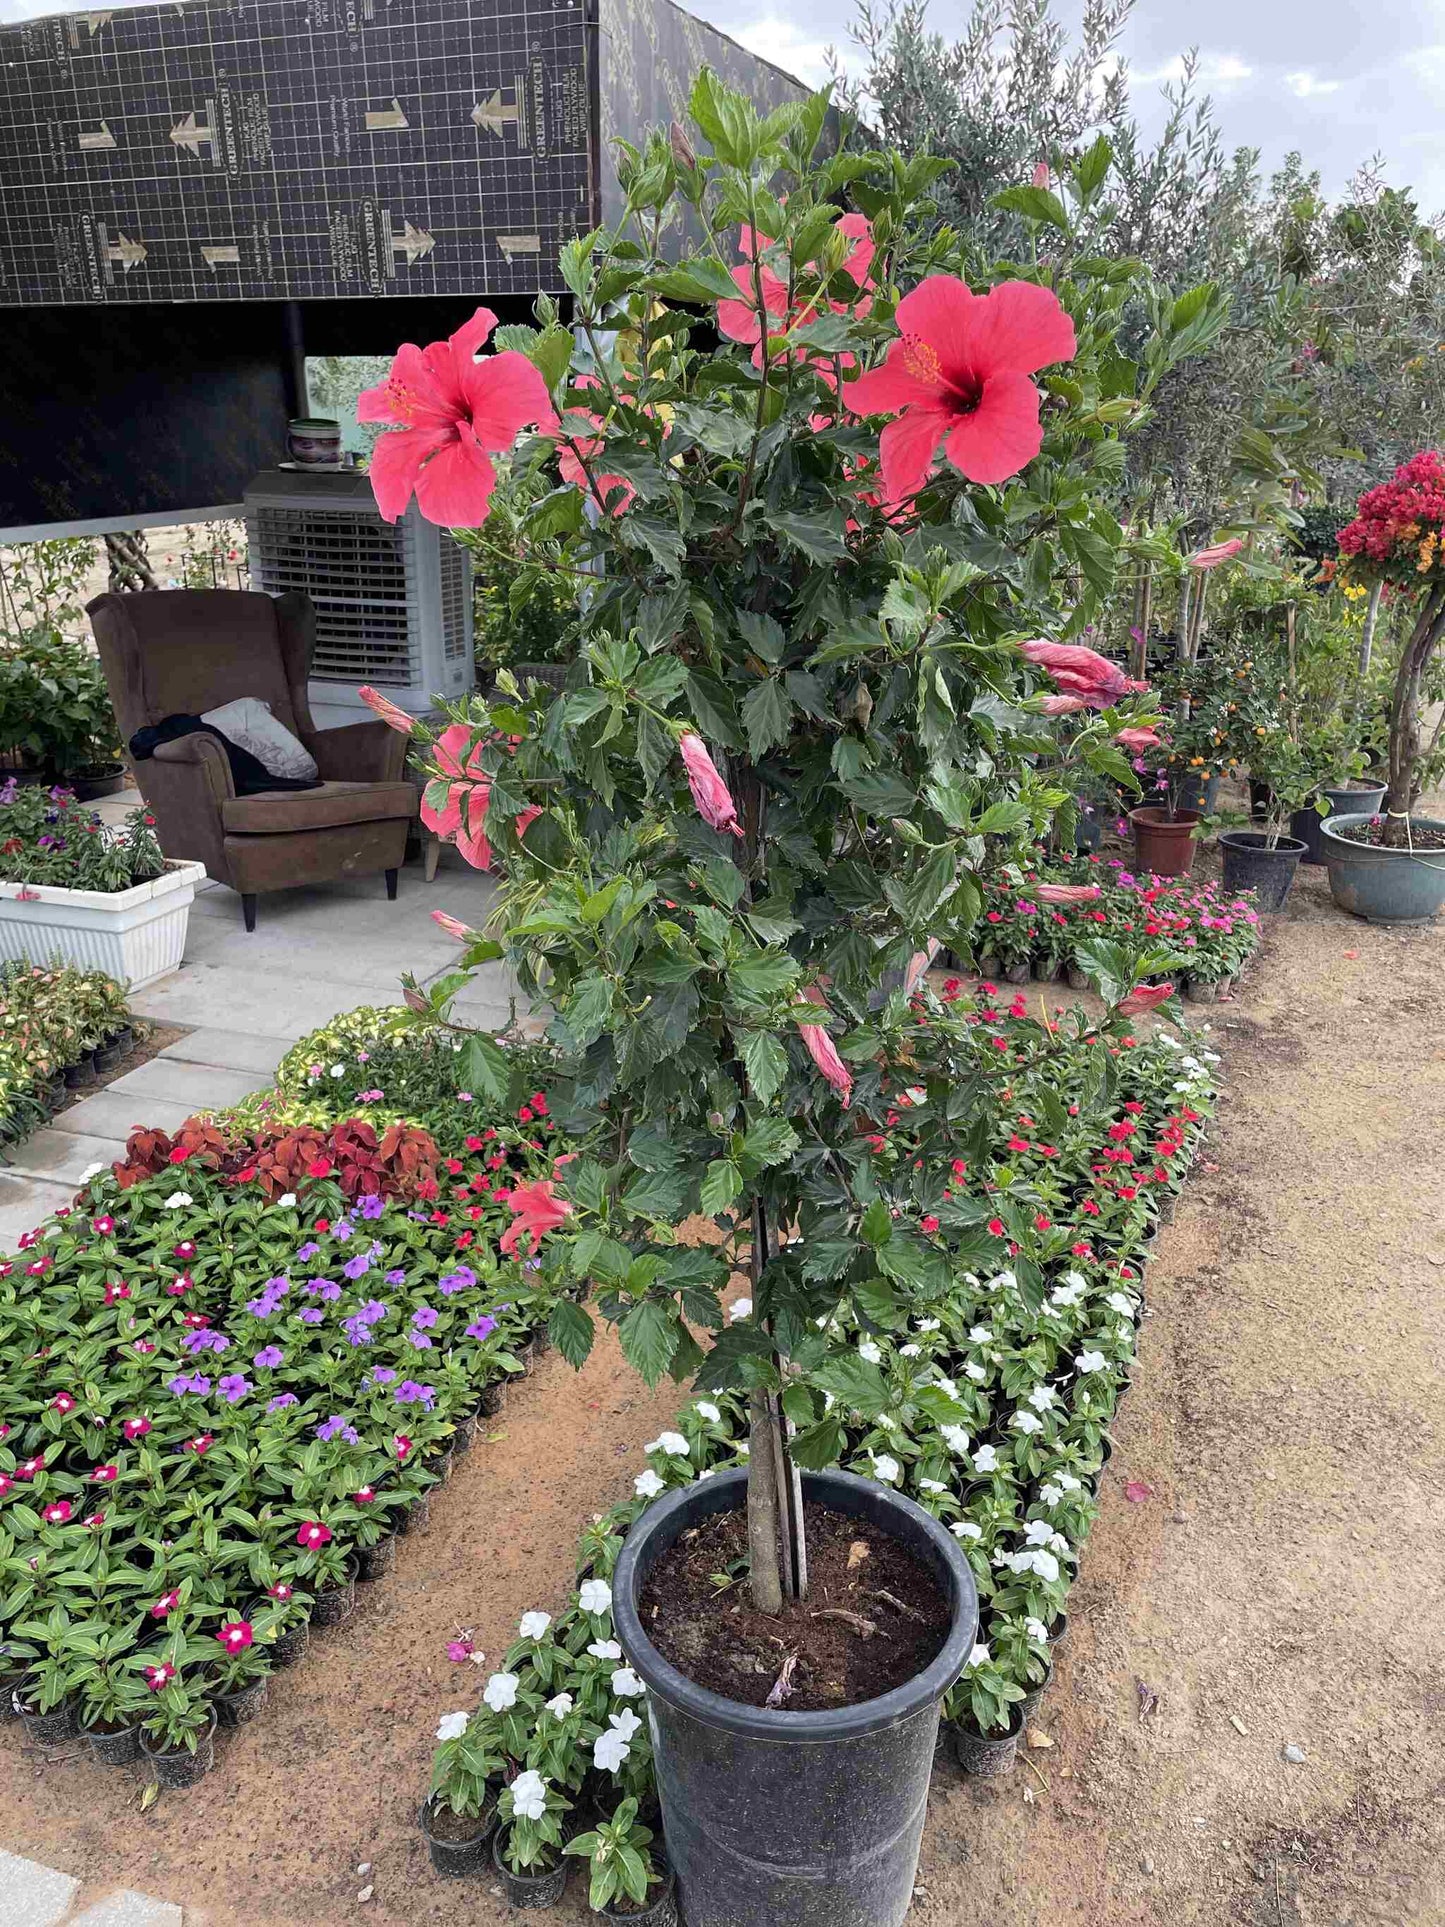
column 32, row 1895
column 197, row 1086
column 117, row 1115
column 275, row 1002
column 232, row 1050
column 63, row 1156
column 26, row 1202
column 127, row 1908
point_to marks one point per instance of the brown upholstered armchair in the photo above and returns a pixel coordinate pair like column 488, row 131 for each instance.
column 185, row 651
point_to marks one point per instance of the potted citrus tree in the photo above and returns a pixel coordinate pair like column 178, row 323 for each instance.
column 827, row 620
column 1390, row 867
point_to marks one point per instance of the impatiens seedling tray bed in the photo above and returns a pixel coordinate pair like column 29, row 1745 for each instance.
column 1041, row 1219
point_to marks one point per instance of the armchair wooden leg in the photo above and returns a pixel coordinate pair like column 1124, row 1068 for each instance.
column 391, row 885
column 248, row 908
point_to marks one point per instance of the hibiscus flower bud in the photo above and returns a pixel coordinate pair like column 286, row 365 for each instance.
column 389, row 712
column 709, row 792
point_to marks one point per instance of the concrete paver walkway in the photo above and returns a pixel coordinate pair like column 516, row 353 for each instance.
column 315, row 953
column 32, row 1895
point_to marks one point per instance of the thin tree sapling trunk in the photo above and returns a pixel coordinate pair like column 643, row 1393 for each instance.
column 1415, row 658
column 777, row 1560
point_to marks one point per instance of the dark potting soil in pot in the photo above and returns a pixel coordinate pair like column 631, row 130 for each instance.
column 894, row 1619
column 1421, row 838
column 458, row 1828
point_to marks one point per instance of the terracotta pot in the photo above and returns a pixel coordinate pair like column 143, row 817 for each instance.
column 1162, row 843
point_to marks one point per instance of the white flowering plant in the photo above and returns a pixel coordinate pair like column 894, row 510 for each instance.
column 1019, row 1644
column 531, row 1816
column 986, row 1694
column 1002, row 1333
column 467, row 1766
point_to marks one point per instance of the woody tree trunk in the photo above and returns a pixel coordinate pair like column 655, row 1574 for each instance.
column 1415, row 659
column 777, row 1562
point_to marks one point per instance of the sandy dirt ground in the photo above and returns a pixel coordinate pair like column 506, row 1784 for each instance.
column 1283, row 1586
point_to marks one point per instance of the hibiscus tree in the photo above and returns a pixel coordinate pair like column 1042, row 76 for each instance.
column 811, row 482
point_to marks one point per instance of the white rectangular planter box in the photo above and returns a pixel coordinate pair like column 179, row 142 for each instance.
column 133, row 935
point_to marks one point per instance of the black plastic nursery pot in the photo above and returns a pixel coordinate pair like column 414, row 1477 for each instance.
column 1029, row 1704
column 114, row 1048
column 987, row 1755
column 413, row 1517
column 287, row 1647
column 662, row 1913
column 776, row 1819
column 333, row 1604
column 373, row 1561
column 47, row 1729
column 1251, row 862
column 182, row 1768
column 459, row 1859
column 245, row 1704
column 117, row 1746
column 529, row 1889
column 1207, row 990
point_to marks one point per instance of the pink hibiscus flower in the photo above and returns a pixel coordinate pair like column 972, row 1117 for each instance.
column 959, row 375
column 535, row 1208
column 450, row 413
column 1087, row 679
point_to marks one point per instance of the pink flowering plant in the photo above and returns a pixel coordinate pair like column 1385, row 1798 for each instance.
column 838, row 562
column 1048, row 911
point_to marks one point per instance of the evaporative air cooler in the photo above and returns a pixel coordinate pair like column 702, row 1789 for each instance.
column 393, row 601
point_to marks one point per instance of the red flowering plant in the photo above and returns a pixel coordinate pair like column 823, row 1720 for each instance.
column 1398, row 537
column 801, row 725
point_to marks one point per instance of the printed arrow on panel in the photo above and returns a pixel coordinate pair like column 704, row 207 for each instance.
column 511, row 244
column 93, row 23
column 97, row 140
column 127, row 254
column 192, row 134
column 495, row 114
column 387, row 120
column 415, row 243
column 218, row 255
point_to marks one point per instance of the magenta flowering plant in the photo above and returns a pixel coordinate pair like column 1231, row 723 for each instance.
column 180, row 1710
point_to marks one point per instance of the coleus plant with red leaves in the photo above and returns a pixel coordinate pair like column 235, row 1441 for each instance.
column 822, row 486
column 399, row 1161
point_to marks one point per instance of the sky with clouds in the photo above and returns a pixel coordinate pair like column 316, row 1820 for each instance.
column 1341, row 80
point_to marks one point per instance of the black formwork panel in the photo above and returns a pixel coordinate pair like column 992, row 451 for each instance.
column 332, row 176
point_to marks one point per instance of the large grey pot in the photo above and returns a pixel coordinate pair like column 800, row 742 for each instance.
column 1384, row 886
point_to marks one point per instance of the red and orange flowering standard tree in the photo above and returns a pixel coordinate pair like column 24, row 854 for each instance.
column 820, row 490
column 1398, row 537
